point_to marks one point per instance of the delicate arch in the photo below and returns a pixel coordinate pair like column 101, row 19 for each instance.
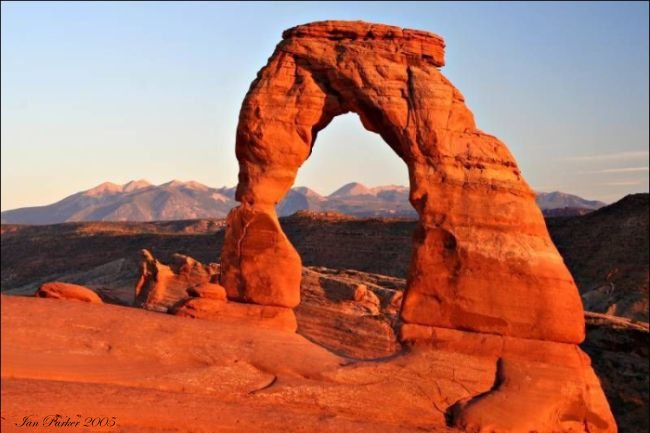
column 482, row 260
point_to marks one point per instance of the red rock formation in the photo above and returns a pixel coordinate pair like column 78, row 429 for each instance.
column 74, row 292
column 160, row 286
column 190, row 288
column 209, row 301
column 482, row 260
column 262, row 265
column 347, row 313
column 540, row 386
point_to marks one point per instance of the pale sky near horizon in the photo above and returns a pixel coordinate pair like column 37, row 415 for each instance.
column 101, row 91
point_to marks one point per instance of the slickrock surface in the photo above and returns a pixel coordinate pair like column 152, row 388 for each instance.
column 74, row 292
column 249, row 379
column 482, row 259
column 329, row 317
column 539, row 386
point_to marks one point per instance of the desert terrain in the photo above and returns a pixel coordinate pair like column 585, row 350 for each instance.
column 345, row 338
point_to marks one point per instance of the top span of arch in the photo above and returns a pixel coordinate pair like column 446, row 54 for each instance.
column 416, row 43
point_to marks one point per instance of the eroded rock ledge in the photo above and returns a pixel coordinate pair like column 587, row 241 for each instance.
column 414, row 42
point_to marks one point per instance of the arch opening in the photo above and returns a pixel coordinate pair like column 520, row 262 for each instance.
column 369, row 196
column 352, row 171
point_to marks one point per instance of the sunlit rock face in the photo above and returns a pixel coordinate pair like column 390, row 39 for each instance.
column 484, row 276
column 483, row 260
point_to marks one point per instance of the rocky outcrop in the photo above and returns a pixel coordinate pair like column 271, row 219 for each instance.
column 349, row 313
column 31, row 255
column 189, row 288
column 73, row 292
column 160, row 286
column 482, row 259
column 264, row 316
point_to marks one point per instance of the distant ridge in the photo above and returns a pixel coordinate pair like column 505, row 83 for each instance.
column 562, row 200
column 134, row 201
column 351, row 189
column 140, row 200
column 607, row 252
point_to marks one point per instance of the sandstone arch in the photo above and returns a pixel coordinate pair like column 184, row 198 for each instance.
column 482, row 261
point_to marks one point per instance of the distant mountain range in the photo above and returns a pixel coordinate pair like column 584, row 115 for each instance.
column 139, row 200
column 560, row 200
column 134, row 201
column 352, row 199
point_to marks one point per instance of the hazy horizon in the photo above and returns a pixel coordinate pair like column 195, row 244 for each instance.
column 95, row 92
column 297, row 185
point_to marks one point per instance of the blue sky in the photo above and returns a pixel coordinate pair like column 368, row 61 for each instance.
column 101, row 91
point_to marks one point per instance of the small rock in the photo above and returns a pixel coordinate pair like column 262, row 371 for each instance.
column 74, row 292
column 209, row 291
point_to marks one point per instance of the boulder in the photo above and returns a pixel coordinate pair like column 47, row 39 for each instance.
column 209, row 291
column 73, row 292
